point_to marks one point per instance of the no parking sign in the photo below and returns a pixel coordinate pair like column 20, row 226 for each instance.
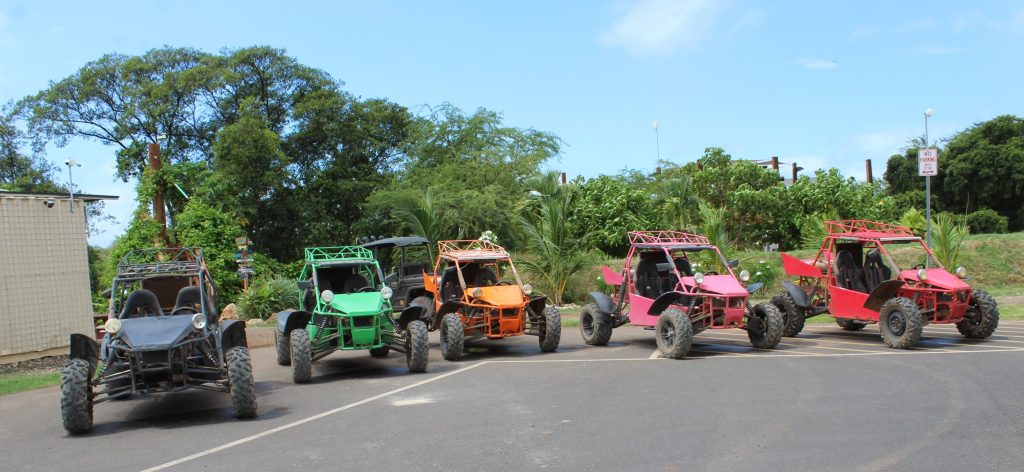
column 927, row 162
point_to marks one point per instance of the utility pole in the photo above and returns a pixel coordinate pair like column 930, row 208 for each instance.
column 657, row 140
column 927, row 187
column 155, row 163
column 71, row 183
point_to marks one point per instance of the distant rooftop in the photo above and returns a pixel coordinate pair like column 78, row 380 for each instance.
column 88, row 197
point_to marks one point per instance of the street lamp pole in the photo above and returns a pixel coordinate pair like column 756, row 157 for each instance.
column 927, row 187
column 71, row 183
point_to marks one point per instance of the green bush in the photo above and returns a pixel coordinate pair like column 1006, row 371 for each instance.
column 913, row 219
column 765, row 273
column 265, row 297
column 986, row 221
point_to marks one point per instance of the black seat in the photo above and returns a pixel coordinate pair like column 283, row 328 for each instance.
column 449, row 285
column 683, row 266
column 848, row 272
column 875, row 270
column 354, row 282
column 141, row 303
column 648, row 281
column 188, row 297
column 485, row 277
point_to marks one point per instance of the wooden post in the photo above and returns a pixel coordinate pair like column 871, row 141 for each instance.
column 775, row 163
column 794, row 172
column 156, row 164
column 867, row 165
column 563, row 178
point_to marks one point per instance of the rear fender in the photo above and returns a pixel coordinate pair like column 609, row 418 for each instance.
column 754, row 287
column 796, row 267
column 663, row 301
column 84, row 347
column 232, row 334
column 291, row 319
column 882, row 293
column 798, row 294
column 610, row 276
column 603, row 302
column 412, row 313
column 449, row 306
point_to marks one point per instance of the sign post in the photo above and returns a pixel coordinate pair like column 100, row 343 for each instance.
column 927, row 166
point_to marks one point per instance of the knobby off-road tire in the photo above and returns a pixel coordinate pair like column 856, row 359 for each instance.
column 243, row 387
column 551, row 331
column 595, row 325
column 771, row 320
column 453, row 336
column 418, row 346
column 673, row 334
column 793, row 316
column 283, row 346
column 850, row 325
column 900, row 322
column 988, row 316
column 302, row 356
column 380, row 351
column 76, row 396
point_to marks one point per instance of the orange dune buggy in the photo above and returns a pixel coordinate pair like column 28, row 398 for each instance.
column 477, row 293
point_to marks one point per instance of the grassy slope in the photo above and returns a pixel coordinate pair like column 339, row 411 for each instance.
column 14, row 383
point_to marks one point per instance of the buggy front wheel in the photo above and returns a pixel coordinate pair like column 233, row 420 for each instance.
column 76, row 396
column 673, row 334
column 551, row 331
column 900, row 322
column 766, row 332
column 595, row 325
column 243, row 387
column 302, row 356
column 452, row 336
column 418, row 348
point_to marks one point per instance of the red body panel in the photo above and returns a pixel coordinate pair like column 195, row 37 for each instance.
column 799, row 268
column 850, row 304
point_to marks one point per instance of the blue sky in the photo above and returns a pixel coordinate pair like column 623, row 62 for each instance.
column 817, row 82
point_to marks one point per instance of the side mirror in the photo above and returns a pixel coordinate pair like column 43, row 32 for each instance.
column 305, row 284
column 734, row 263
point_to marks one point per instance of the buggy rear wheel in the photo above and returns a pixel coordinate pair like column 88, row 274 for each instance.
column 283, row 347
column 986, row 318
column 418, row 348
column 850, row 325
column 243, row 387
column 767, row 333
column 452, row 336
column 793, row 316
column 673, row 334
column 551, row 331
column 302, row 356
column 76, row 396
column 900, row 322
column 595, row 325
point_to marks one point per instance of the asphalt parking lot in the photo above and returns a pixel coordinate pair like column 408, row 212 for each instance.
column 826, row 400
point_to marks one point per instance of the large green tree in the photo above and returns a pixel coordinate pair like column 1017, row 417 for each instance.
column 983, row 167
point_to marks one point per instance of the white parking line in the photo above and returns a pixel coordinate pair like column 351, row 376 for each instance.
column 308, row 419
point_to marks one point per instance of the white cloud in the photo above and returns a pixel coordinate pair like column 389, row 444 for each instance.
column 816, row 63
column 662, row 26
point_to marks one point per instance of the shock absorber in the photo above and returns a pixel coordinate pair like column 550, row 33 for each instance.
column 320, row 329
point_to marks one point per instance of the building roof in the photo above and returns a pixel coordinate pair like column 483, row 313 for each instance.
column 88, row 197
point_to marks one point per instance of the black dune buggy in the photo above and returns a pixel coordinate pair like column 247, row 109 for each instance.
column 163, row 335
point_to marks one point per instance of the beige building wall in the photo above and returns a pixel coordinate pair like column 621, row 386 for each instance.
column 44, row 275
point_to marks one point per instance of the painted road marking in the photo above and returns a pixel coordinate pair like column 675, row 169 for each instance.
column 764, row 355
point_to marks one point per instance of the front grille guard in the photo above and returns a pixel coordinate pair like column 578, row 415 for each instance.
column 180, row 379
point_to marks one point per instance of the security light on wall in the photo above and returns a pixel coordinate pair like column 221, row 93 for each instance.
column 49, row 203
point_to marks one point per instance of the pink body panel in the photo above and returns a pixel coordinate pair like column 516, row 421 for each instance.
column 799, row 268
column 850, row 304
column 638, row 309
column 937, row 278
column 723, row 285
column 610, row 276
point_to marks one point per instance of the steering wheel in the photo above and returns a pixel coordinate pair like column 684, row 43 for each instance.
column 711, row 272
column 919, row 267
column 366, row 289
column 503, row 282
column 184, row 310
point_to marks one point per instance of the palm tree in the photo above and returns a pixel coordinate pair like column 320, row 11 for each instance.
column 422, row 216
column 557, row 255
column 947, row 236
column 717, row 234
column 679, row 201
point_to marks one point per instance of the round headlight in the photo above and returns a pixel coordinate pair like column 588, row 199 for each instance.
column 698, row 278
column 386, row 292
column 198, row 321
column 961, row 272
column 744, row 275
column 527, row 289
column 112, row 326
column 327, row 296
column 922, row 275
column 477, row 292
